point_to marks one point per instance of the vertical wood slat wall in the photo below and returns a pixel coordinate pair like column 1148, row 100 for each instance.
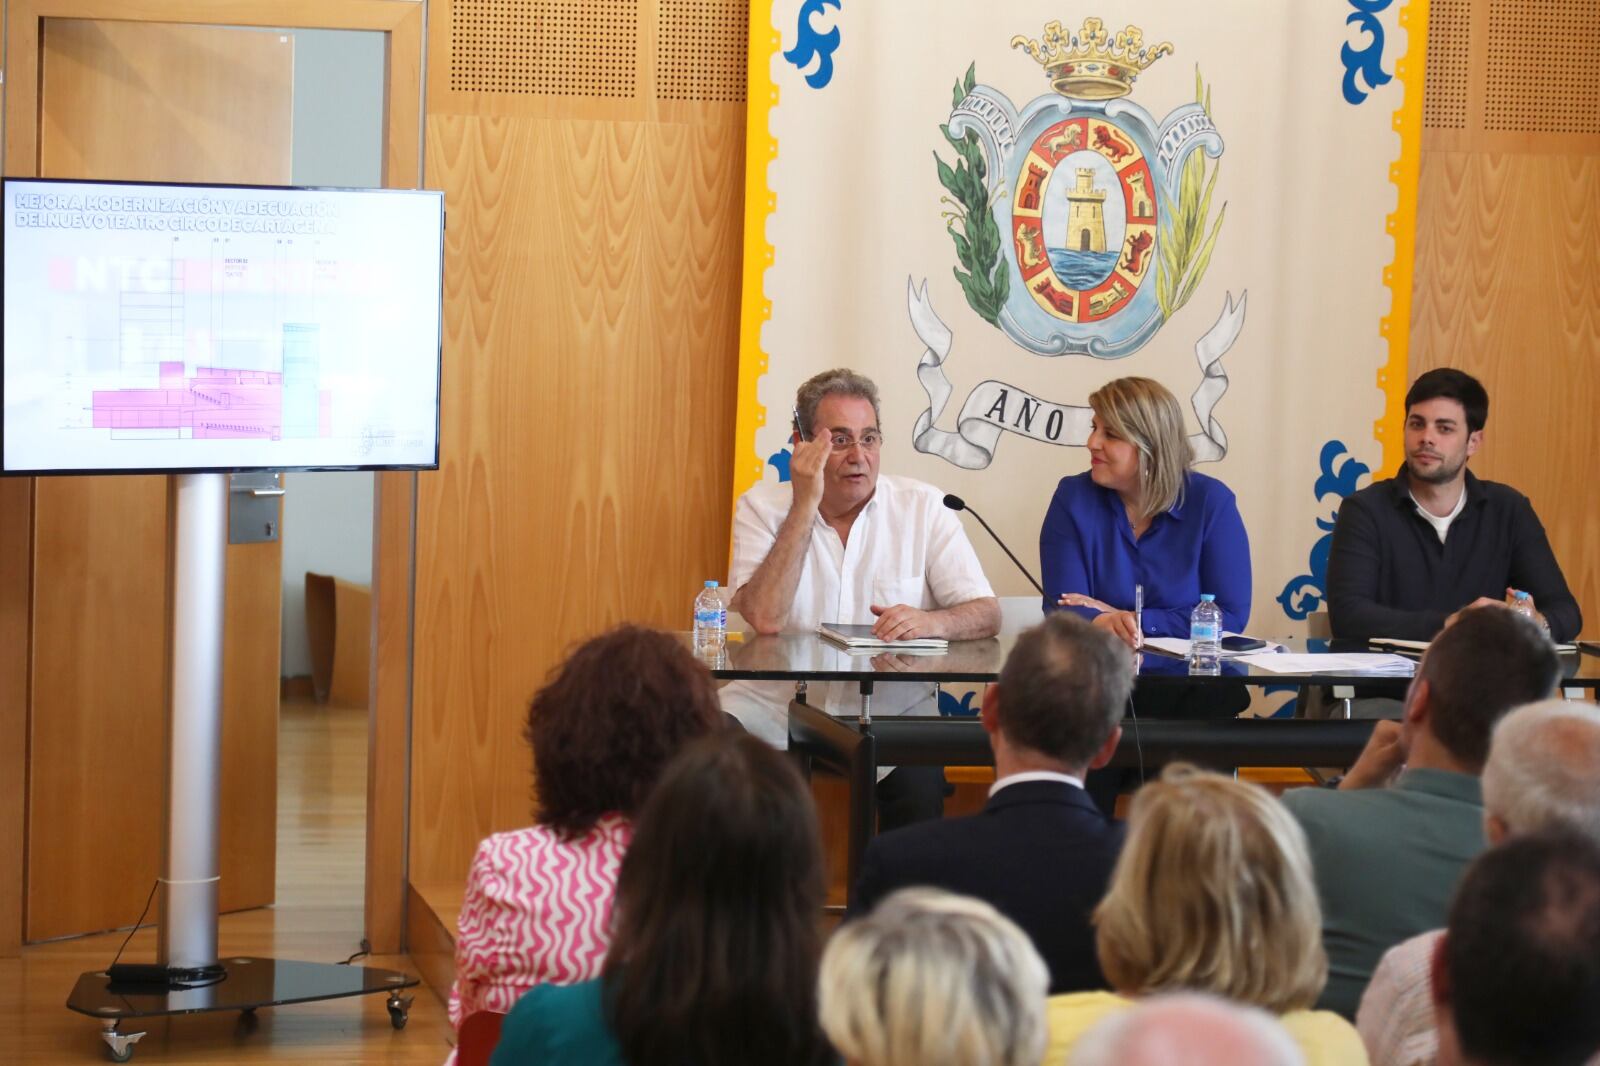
column 592, row 157
column 1508, row 250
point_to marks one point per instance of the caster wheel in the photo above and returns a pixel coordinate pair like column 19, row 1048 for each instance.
column 122, row 1055
column 397, row 1017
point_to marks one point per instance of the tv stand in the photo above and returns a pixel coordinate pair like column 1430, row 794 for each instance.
column 189, row 977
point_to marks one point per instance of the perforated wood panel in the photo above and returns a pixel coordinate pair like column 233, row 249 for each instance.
column 1542, row 71
column 545, row 47
column 701, row 50
column 1444, row 98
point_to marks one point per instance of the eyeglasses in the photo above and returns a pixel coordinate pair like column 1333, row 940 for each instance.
column 870, row 441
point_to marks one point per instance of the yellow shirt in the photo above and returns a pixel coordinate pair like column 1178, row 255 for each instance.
column 1324, row 1038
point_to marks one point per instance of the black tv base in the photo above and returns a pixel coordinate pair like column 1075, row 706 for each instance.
column 246, row 984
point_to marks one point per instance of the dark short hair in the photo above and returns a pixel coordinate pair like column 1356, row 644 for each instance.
column 1063, row 688
column 840, row 381
column 716, row 945
column 1522, row 952
column 608, row 719
column 1447, row 383
column 1488, row 662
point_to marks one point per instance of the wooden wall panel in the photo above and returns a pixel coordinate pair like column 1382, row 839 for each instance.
column 16, row 586
column 389, row 739
column 1508, row 289
column 152, row 102
column 248, row 807
column 98, row 723
column 591, row 315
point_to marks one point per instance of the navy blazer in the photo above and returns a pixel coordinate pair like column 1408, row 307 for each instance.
column 1040, row 852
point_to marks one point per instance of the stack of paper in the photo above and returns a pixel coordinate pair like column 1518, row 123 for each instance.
column 1417, row 647
column 1380, row 665
column 861, row 638
column 1180, row 647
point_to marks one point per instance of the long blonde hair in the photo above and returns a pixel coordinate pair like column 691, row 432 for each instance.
column 1213, row 893
column 1144, row 413
column 934, row 979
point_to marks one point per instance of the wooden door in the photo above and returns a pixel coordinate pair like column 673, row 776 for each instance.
column 154, row 102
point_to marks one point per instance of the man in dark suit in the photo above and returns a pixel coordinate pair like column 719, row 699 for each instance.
column 1039, row 851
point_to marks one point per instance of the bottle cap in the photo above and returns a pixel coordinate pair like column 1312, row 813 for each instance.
column 1208, row 597
column 1521, row 595
column 711, row 584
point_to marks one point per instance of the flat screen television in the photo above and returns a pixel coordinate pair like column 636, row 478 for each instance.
column 219, row 328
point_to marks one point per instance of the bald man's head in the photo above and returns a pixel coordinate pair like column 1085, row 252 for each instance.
column 1192, row 1029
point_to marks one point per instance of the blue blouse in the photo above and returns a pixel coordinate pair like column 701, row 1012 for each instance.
column 1087, row 546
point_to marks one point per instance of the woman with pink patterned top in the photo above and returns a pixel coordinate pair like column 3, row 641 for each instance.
column 538, row 901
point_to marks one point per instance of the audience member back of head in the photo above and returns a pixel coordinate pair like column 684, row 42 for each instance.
column 1517, row 978
column 713, row 958
column 537, row 906
column 1191, row 1029
column 930, row 956
column 1040, row 851
column 1412, row 805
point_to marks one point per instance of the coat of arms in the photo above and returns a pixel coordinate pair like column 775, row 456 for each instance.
column 1081, row 224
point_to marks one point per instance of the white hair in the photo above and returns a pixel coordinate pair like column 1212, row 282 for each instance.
column 1187, row 1027
column 1543, row 770
column 934, row 979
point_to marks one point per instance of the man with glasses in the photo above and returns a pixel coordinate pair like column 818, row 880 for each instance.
column 841, row 543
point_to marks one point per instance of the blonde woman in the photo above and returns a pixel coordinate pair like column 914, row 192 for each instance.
column 1140, row 516
column 930, row 978
column 1212, row 893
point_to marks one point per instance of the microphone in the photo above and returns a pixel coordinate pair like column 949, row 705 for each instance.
column 956, row 503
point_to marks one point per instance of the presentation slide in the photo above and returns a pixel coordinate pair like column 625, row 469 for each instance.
column 185, row 328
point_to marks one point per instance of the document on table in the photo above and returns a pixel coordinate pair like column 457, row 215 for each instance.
column 1382, row 665
column 1417, row 647
column 861, row 638
column 1180, row 647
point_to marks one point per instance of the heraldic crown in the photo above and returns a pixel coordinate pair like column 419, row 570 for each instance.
column 1082, row 65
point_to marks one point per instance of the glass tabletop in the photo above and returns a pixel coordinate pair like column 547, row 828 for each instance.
column 808, row 657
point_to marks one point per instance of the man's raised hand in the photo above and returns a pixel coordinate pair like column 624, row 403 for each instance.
column 806, row 469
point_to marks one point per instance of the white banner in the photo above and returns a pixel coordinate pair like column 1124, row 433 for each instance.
column 992, row 210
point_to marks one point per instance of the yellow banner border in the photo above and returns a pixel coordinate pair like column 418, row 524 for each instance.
column 1401, row 225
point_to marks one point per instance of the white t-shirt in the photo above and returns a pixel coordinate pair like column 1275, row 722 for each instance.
column 906, row 547
column 1440, row 525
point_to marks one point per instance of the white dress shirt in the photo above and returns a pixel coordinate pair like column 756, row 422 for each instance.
column 905, row 547
column 1034, row 775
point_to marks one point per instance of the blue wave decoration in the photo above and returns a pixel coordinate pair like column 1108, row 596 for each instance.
column 812, row 44
column 1340, row 475
column 1365, row 63
column 950, row 707
column 779, row 461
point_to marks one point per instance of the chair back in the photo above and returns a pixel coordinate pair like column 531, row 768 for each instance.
column 480, row 1032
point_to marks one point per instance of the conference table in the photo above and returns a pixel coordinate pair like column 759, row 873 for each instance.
column 854, row 744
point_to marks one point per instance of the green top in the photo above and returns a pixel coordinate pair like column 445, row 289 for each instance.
column 1386, row 861
column 557, row 1024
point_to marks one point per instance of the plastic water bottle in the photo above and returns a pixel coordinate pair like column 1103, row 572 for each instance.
column 710, row 621
column 1522, row 603
column 1205, row 631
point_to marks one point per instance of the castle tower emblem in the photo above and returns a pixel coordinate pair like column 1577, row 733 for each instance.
column 1086, row 217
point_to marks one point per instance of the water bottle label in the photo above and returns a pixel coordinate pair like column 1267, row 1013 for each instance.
column 711, row 617
column 1199, row 632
